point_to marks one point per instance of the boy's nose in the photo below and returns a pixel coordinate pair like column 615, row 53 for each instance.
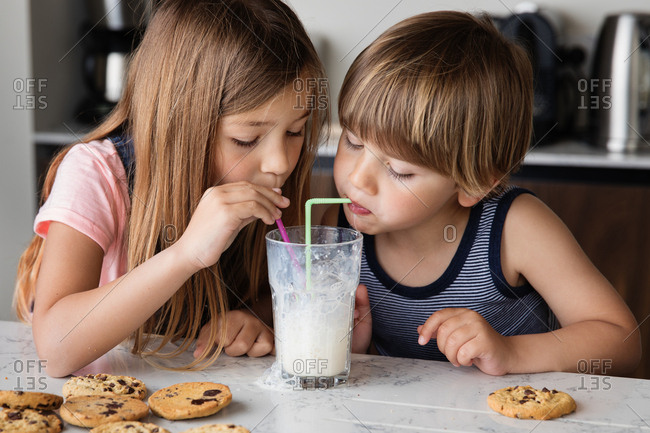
column 363, row 174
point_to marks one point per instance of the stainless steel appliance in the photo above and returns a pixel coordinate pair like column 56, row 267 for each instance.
column 621, row 83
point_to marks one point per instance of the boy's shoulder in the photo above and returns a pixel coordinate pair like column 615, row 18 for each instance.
column 504, row 199
column 509, row 192
column 517, row 206
column 526, row 213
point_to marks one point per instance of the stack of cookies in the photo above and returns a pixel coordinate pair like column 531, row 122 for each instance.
column 113, row 404
column 28, row 412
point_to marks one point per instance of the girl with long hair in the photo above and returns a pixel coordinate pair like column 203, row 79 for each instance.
column 154, row 224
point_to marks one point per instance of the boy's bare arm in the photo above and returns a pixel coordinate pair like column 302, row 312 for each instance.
column 596, row 324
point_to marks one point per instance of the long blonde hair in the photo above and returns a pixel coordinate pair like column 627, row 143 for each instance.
column 198, row 60
column 444, row 90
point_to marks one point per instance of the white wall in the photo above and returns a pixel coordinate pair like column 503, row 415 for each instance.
column 17, row 198
column 342, row 28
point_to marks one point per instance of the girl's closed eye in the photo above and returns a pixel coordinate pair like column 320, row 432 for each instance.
column 253, row 142
column 245, row 143
column 299, row 133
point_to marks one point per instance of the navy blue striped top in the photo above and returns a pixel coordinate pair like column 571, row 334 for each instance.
column 473, row 280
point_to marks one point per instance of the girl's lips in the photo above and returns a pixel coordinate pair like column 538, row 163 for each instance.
column 358, row 210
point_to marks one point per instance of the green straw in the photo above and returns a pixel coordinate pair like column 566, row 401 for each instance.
column 308, row 205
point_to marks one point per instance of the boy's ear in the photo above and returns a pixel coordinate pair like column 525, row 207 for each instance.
column 467, row 200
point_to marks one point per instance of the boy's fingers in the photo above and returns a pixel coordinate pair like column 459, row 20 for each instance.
column 467, row 352
column 430, row 328
column 361, row 295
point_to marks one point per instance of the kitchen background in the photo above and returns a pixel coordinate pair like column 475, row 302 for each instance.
column 42, row 90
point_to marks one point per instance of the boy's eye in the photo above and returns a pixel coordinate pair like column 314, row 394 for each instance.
column 244, row 143
column 396, row 175
column 352, row 145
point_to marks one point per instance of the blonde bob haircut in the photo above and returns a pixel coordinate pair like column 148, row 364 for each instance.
column 199, row 60
column 446, row 91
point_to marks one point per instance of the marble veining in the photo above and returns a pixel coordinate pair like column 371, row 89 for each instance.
column 383, row 395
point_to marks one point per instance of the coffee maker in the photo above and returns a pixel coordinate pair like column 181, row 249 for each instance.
column 110, row 34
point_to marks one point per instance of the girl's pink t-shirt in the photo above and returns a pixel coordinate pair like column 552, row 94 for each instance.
column 90, row 194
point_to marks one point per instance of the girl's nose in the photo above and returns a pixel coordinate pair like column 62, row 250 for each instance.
column 275, row 159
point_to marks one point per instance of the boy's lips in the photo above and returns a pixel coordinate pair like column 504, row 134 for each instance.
column 358, row 210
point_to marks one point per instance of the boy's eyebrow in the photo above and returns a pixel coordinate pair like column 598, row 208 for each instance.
column 265, row 123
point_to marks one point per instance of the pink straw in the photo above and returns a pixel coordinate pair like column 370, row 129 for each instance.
column 285, row 238
column 283, row 231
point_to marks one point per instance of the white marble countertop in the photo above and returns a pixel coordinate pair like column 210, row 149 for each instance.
column 383, row 395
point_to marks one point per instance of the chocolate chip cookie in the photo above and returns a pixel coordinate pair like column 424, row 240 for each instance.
column 30, row 400
column 128, row 427
column 94, row 410
column 218, row 428
column 28, row 421
column 529, row 403
column 190, row 400
column 104, row 384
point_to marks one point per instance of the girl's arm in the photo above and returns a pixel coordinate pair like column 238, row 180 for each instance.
column 597, row 327
column 75, row 322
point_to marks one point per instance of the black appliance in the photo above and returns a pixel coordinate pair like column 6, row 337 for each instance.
column 111, row 32
column 556, row 73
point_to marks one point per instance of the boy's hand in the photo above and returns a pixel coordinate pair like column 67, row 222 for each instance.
column 466, row 338
column 362, row 331
column 245, row 335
